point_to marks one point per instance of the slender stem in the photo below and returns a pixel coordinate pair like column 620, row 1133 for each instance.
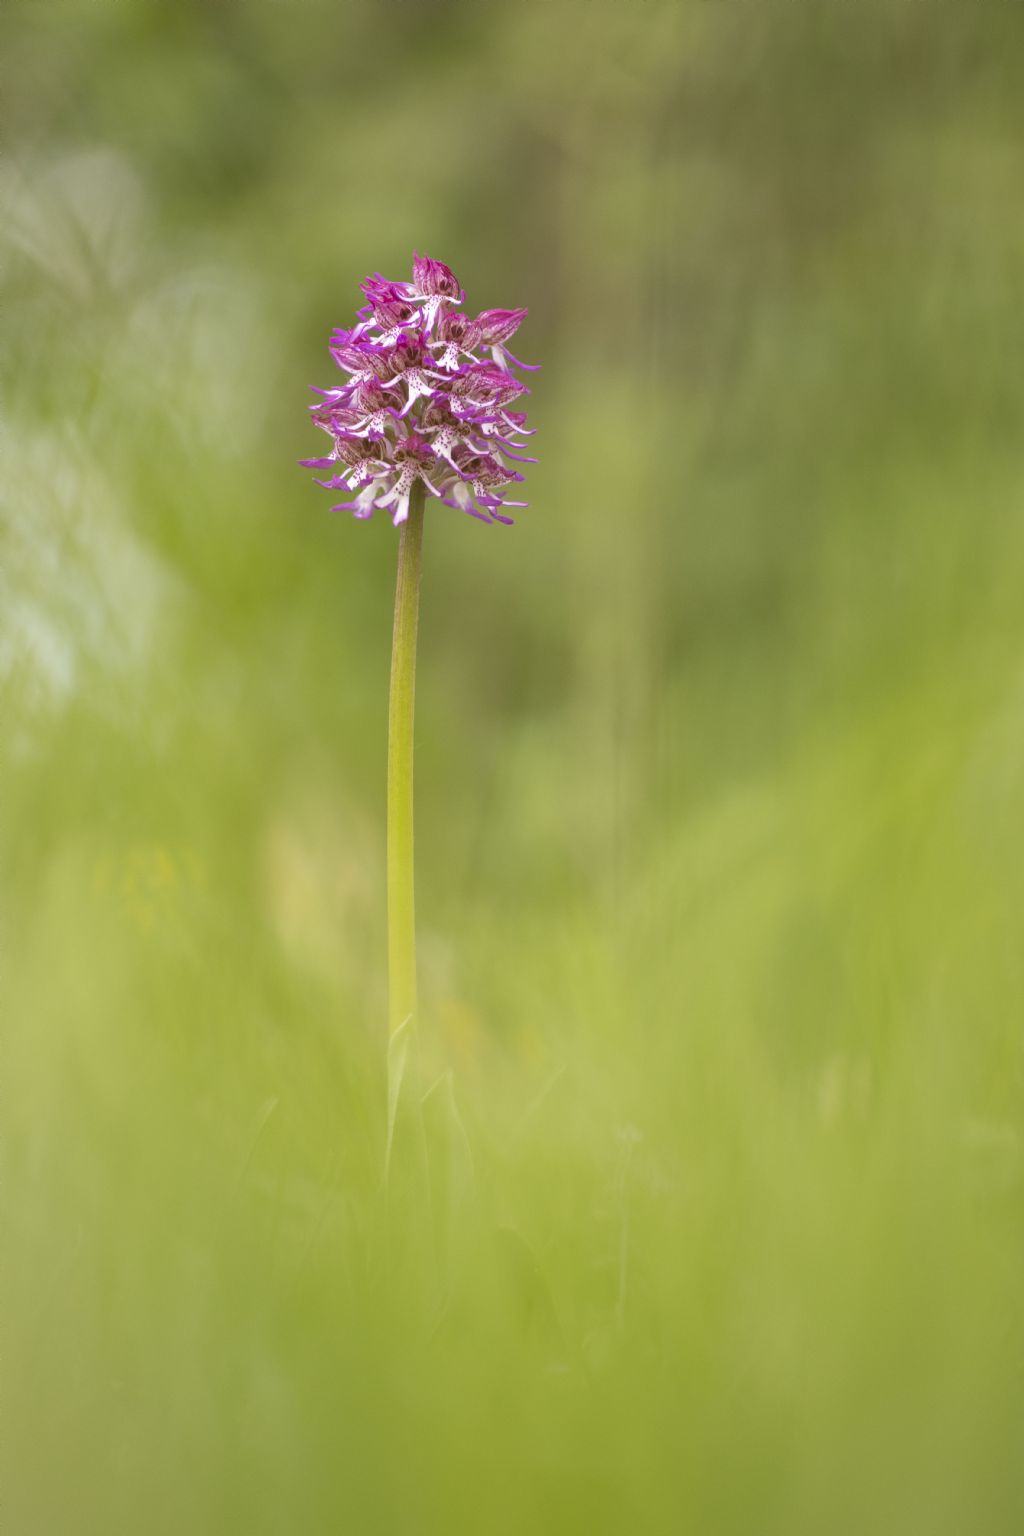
column 401, row 708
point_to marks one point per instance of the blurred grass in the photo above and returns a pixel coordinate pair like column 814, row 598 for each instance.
column 720, row 827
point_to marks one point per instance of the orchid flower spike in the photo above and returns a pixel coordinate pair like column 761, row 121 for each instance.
column 420, row 402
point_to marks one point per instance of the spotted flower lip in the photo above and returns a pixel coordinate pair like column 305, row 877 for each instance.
column 421, row 403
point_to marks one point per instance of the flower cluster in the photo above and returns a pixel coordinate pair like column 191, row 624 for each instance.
column 421, row 403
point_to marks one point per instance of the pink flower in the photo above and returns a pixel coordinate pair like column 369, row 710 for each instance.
column 420, row 403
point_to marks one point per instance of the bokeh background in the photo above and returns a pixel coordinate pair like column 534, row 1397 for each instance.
column 720, row 830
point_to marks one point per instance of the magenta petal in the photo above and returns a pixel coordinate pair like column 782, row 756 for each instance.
column 529, row 367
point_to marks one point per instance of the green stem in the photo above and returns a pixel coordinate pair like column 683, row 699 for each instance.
column 401, row 709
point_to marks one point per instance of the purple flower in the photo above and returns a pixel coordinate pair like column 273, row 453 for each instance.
column 421, row 403
column 494, row 327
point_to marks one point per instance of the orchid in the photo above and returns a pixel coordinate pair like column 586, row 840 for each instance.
column 426, row 408
column 417, row 390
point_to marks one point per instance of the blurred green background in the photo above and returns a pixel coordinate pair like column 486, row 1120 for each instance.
column 720, row 828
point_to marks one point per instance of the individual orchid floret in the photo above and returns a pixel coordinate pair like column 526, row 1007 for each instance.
column 494, row 327
column 360, row 458
column 389, row 304
column 409, row 360
column 414, row 458
column 348, row 351
column 373, row 405
column 484, row 384
column 432, row 278
column 335, row 415
column 377, row 288
column 420, row 404
column 444, row 428
column 456, row 336
column 433, row 281
column 497, row 325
